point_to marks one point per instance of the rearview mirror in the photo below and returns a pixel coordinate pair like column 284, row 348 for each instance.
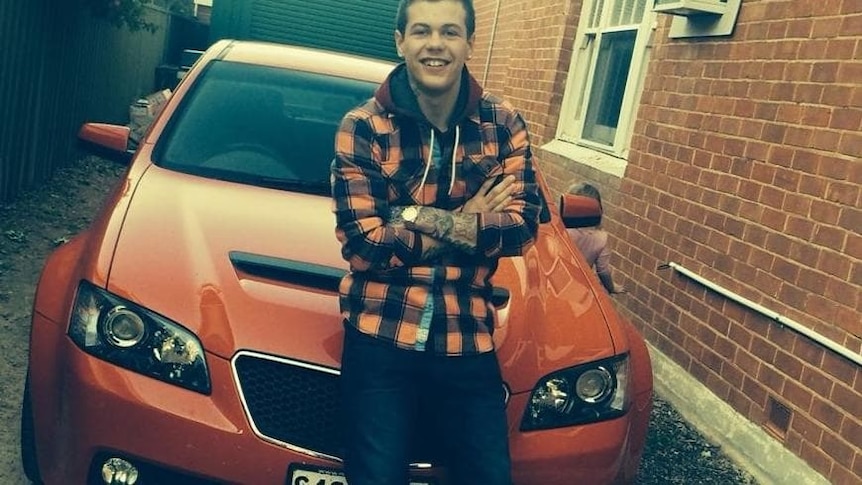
column 580, row 211
column 107, row 141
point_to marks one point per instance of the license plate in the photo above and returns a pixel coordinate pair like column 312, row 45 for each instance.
column 305, row 475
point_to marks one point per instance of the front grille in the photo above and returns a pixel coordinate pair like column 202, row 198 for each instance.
column 299, row 405
column 292, row 404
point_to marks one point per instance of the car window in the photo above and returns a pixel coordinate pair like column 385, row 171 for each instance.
column 265, row 126
column 260, row 125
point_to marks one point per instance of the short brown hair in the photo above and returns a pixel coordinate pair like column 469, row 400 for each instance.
column 469, row 19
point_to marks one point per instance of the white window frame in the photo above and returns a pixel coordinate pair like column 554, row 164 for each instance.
column 595, row 21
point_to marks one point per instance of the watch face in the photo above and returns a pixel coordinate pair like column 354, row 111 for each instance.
column 409, row 214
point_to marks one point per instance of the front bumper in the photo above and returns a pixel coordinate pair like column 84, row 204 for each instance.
column 85, row 407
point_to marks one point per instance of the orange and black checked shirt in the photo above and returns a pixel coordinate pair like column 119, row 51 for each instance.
column 379, row 163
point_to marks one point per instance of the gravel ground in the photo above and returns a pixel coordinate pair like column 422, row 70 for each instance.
column 677, row 453
column 43, row 218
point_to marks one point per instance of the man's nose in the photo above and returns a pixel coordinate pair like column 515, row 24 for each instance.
column 435, row 40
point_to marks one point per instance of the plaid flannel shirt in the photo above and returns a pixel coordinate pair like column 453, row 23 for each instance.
column 379, row 162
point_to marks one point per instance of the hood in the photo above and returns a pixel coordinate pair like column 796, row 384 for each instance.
column 396, row 96
column 231, row 263
column 249, row 268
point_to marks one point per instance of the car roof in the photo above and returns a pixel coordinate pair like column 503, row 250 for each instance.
column 304, row 59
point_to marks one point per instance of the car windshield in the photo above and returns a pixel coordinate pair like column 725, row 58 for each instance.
column 260, row 125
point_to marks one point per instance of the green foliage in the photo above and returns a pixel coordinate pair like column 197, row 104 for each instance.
column 132, row 13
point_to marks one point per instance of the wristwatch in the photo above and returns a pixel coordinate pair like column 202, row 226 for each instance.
column 410, row 213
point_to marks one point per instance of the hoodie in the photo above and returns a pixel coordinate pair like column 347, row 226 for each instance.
column 388, row 155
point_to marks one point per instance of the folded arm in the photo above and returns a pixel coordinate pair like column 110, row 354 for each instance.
column 499, row 220
column 459, row 229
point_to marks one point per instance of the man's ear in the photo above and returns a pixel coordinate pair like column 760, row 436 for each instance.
column 470, row 42
column 398, row 40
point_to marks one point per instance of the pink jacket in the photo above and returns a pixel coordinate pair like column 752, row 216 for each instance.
column 593, row 243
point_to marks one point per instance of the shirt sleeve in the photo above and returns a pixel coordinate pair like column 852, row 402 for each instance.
column 361, row 206
column 603, row 261
column 512, row 231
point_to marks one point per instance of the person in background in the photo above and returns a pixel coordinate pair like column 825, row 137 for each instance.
column 432, row 183
column 593, row 241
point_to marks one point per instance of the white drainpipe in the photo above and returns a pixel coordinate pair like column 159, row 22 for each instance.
column 491, row 44
column 781, row 320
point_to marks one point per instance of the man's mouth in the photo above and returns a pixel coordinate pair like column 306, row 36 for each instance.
column 434, row 62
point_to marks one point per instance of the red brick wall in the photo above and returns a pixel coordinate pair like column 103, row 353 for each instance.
column 531, row 51
column 744, row 168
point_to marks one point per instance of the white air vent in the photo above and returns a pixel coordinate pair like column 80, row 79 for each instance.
column 700, row 18
column 691, row 7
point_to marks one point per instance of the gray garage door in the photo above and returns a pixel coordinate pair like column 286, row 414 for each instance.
column 362, row 27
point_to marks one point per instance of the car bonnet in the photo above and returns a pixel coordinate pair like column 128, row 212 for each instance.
column 252, row 268
column 180, row 254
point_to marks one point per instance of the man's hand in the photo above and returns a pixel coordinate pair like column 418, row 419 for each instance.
column 490, row 197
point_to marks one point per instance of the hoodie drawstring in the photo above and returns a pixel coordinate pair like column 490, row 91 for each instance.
column 454, row 157
column 427, row 165
column 430, row 160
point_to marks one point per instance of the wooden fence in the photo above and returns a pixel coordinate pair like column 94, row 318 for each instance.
column 59, row 67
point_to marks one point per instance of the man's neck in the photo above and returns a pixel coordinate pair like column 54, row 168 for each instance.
column 438, row 108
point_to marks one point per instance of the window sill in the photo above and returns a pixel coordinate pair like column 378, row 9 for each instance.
column 587, row 156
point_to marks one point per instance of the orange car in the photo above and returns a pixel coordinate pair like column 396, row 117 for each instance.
column 192, row 335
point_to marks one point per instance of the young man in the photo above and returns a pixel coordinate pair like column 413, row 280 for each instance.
column 422, row 224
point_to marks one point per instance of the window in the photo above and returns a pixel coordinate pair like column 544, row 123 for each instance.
column 604, row 82
column 260, row 125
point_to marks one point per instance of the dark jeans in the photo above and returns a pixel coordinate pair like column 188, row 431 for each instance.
column 387, row 391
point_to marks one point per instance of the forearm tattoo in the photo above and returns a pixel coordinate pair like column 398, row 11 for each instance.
column 458, row 229
column 433, row 253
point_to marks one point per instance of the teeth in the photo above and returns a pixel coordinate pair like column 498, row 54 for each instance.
column 434, row 63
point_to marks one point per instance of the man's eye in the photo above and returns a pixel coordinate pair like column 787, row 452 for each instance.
column 452, row 33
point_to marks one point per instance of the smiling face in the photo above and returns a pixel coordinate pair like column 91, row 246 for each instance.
column 435, row 44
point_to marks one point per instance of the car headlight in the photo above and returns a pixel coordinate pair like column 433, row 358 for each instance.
column 130, row 336
column 577, row 395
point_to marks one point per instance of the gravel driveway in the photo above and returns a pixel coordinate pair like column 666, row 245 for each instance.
column 43, row 218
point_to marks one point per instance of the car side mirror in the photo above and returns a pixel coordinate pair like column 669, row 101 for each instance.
column 106, row 140
column 580, row 211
